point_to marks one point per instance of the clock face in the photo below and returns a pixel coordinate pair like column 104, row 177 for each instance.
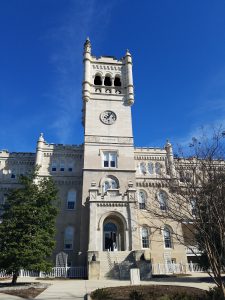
column 108, row 117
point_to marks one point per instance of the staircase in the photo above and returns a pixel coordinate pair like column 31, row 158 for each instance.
column 116, row 265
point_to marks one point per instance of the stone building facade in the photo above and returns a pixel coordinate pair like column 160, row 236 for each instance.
column 105, row 184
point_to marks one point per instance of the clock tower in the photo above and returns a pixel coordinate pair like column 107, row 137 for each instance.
column 108, row 201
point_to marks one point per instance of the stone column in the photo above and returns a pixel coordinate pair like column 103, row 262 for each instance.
column 87, row 70
column 39, row 149
column 130, row 86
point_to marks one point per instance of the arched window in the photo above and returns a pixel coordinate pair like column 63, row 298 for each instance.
column 150, row 168
column 117, row 81
column 158, row 167
column 167, row 237
column 71, row 199
column 142, row 199
column 98, row 80
column 142, row 168
column 145, row 237
column 109, row 183
column 107, row 81
column 68, row 238
column 163, row 200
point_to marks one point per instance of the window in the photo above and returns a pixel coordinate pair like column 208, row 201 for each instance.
column 13, row 175
column 109, row 159
column 98, row 80
column 71, row 199
column 150, row 168
column 107, row 81
column 62, row 167
column 109, row 183
column 145, row 237
column 193, row 207
column 117, row 81
column 142, row 199
column 142, row 168
column 68, row 238
column 158, row 168
column 54, row 166
column 163, row 200
column 167, row 238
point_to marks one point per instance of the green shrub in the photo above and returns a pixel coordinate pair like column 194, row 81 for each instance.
column 101, row 294
column 135, row 295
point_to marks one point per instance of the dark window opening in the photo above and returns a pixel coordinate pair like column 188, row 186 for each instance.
column 117, row 81
column 106, row 163
column 62, row 169
column 13, row 176
column 98, row 80
column 70, row 169
column 107, row 81
column 112, row 164
column 53, row 169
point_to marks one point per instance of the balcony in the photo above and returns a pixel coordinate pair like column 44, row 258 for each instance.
column 193, row 251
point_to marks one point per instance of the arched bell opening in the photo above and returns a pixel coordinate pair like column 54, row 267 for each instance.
column 113, row 234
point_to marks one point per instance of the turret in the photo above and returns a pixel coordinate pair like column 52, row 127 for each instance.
column 169, row 154
column 130, row 86
column 87, row 70
column 40, row 144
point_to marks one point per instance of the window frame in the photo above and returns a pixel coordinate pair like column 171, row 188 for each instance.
column 109, row 160
column 69, row 201
column 142, row 204
column 165, row 239
column 145, row 241
column 71, row 238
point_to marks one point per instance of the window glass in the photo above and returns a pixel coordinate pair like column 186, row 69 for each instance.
column 167, row 238
column 109, row 159
column 150, row 168
column 163, row 200
column 145, row 237
column 142, row 168
column 142, row 199
column 68, row 238
column 158, row 168
column 71, row 199
column 54, row 166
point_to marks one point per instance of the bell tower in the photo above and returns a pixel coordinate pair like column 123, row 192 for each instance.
column 109, row 168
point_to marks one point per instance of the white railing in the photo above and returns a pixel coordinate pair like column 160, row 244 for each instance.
column 175, row 268
column 66, row 272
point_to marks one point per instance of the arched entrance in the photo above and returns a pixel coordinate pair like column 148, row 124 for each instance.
column 113, row 234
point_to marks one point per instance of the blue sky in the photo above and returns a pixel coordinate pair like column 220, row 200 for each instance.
column 178, row 50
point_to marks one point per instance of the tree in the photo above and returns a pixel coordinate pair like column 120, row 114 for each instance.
column 196, row 202
column 27, row 229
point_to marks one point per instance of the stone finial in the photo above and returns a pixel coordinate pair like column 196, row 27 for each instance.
column 127, row 52
column 41, row 137
column 168, row 144
column 87, row 45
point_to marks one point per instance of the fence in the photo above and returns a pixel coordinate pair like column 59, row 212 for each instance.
column 66, row 272
column 175, row 268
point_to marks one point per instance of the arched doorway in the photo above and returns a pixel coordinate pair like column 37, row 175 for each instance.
column 113, row 234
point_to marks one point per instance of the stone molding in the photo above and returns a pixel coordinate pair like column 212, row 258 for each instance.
column 105, row 139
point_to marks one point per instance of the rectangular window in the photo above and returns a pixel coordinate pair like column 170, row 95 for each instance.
column 54, row 166
column 62, row 167
column 109, row 159
column 70, row 169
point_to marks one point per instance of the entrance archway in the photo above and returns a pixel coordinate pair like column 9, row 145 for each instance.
column 113, row 234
